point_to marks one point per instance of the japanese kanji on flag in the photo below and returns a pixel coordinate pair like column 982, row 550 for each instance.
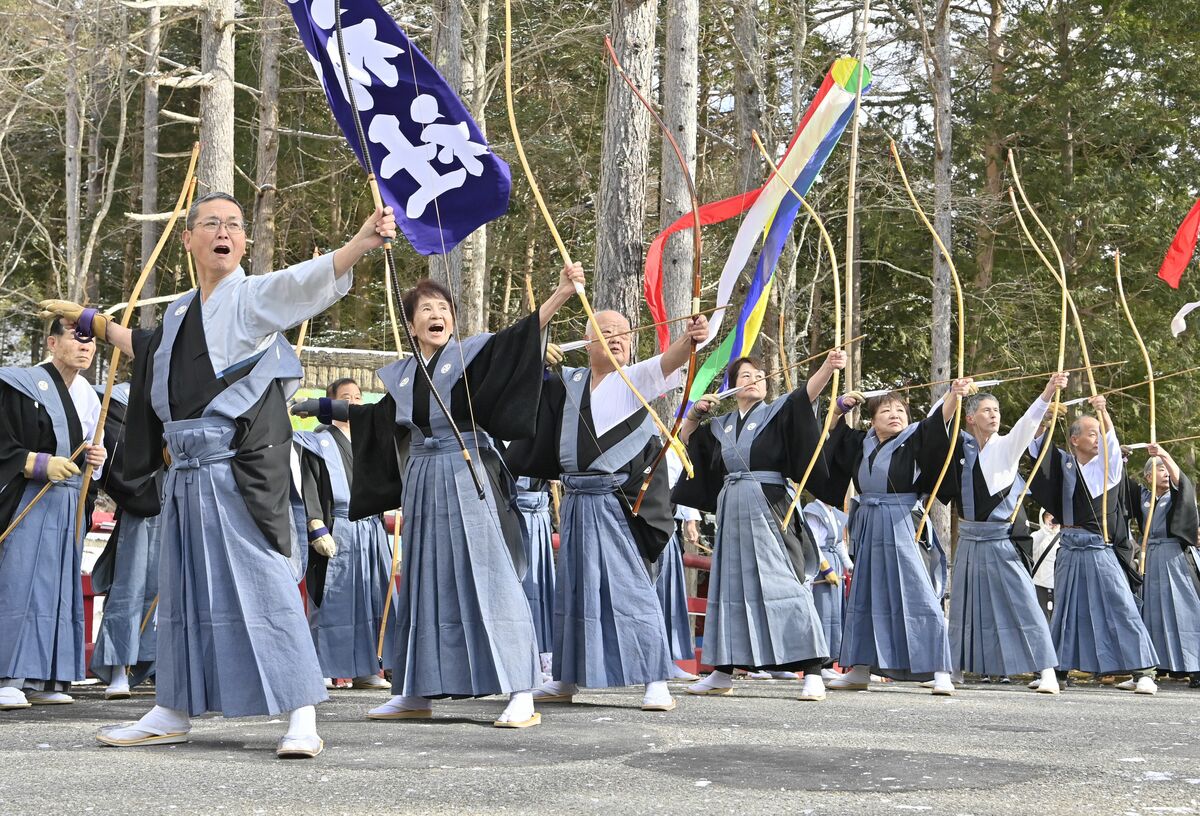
column 434, row 166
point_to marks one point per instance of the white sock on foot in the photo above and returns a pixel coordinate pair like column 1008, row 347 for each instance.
column 715, row 680
column 302, row 722
column 402, row 702
column 520, row 707
column 942, row 683
column 553, row 688
column 167, row 720
column 814, row 686
column 120, row 679
column 857, row 674
column 657, row 693
column 680, row 674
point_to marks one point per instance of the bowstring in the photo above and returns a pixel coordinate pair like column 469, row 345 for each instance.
column 465, row 379
column 437, row 212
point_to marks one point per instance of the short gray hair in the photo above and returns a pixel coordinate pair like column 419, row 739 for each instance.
column 194, row 210
column 1077, row 426
column 975, row 400
column 1150, row 463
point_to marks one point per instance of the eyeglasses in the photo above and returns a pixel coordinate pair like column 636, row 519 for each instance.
column 213, row 224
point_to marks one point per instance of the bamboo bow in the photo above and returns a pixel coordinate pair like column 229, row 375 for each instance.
column 962, row 320
column 126, row 317
column 392, row 282
column 1153, row 423
column 837, row 327
column 697, row 283
column 1060, row 275
column 665, row 432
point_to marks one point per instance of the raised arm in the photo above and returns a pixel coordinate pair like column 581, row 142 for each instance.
column 570, row 276
column 379, row 226
column 835, row 360
column 678, row 352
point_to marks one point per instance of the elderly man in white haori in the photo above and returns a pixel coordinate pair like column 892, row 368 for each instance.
column 594, row 436
column 996, row 627
column 211, row 383
column 1096, row 625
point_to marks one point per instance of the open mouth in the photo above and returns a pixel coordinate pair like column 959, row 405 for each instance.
column 221, row 249
column 437, row 329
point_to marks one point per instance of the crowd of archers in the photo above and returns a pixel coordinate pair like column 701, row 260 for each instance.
column 224, row 509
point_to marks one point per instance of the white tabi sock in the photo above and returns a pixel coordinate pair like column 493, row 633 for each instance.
column 402, row 702
column 679, row 674
column 554, row 688
column 520, row 707
column 857, row 674
column 814, row 687
column 120, row 679
column 715, row 680
column 1047, row 683
column 164, row 720
column 657, row 693
column 302, row 722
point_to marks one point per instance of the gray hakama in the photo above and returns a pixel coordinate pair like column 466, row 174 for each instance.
column 894, row 618
column 41, row 596
column 1170, row 603
column 232, row 632
column 122, row 641
column 671, row 588
column 760, row 608
column 464, row 627
column 1096, row 625
column 608, row 626
column 996, row 625
column 539, row 552
column 827, row 524
column 345, row 619
column 126, row 572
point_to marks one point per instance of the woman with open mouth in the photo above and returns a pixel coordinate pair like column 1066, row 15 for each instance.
column 464, row 627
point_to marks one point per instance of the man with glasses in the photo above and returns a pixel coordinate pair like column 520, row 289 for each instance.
column 208, row 399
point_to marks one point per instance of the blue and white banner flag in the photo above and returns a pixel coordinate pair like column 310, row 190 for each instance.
column 433, row 164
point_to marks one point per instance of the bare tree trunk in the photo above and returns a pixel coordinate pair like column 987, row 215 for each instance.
column 943, row 312
column 448, row 58
column 475, row 277
column 147, row 318
column 790, row 294
column 799, row 50
column 679, row 102
column 214, row 172
column 262, row 258
column 73, row 160
column 1070, row 237
column 993, row 153
column 944, row 315
column 747, row 94
column 625, row 161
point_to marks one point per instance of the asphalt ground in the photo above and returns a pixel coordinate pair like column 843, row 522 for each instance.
column 990, row 749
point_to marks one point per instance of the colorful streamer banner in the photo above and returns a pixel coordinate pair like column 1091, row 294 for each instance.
column 770, row 212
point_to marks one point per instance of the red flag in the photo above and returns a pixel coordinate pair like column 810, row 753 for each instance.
column 1179, row 255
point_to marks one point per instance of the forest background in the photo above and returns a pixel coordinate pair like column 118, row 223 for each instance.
column 100, row 102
